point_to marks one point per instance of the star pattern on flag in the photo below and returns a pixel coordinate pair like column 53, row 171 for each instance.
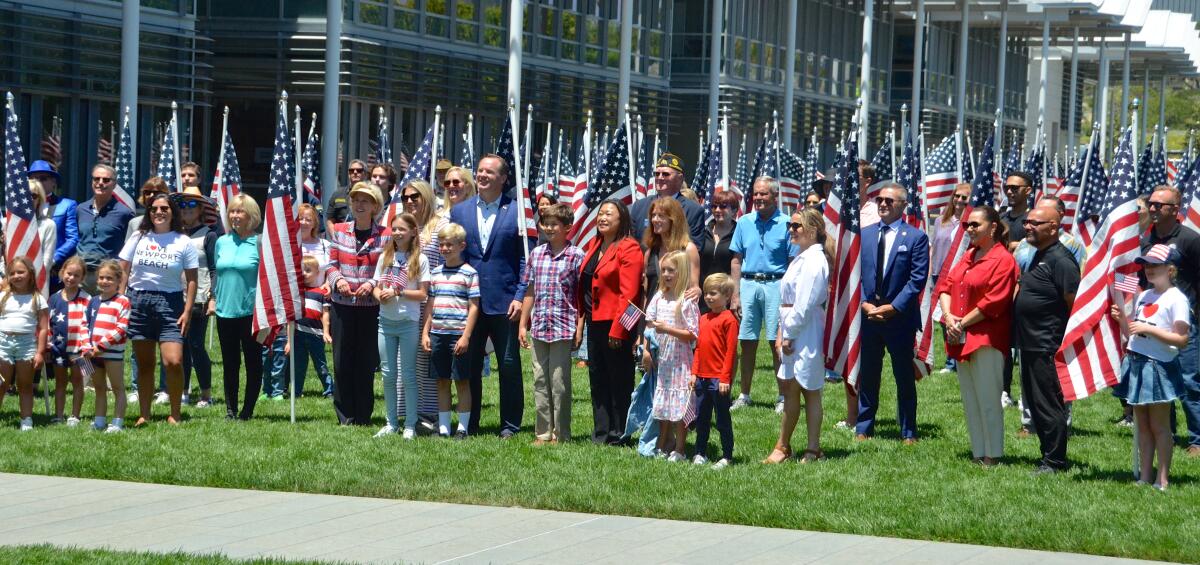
column 983, row 189
column 1122, row 186
column 907, row 176
column 968, row 170
column 883, row 162
column 941, row 160
column 741, row 172
column 16, row 185
column 310, row 164
column 613, row 173
column 845, row 182
column 283, row 169
column 467, row 160
column 712, row 176
column 810, row 163
column 124, row 164
column 1156, row 172
column 1036, row 165
column 1095, row 183
column 166, row 159
column 1012, row 162
column 506, row 148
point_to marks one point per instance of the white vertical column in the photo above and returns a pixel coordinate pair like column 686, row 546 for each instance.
column 330, row 103
column 960, row 99
column 918, row 79
column 789, row 77
column 131, row 16
column 717, row 22
column 1000, row 72
column 1125, row 90
column 1103, row 102
column 1045, row 74
column 1073, row 92
column 864, row 79
column 516, row 22
column 626, row 64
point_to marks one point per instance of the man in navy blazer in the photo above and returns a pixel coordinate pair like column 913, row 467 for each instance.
column 895, row 265
column 494, row 241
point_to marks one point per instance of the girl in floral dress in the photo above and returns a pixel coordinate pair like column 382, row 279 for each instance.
column 676, row 320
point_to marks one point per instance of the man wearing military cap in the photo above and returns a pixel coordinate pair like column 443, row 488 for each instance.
column 668, row 180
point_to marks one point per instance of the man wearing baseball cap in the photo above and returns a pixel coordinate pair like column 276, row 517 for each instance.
column 668, row 181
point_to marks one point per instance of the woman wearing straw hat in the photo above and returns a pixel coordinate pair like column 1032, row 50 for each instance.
column 192, row 205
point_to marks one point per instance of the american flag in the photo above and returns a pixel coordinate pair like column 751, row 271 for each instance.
column 227, row 181
column 506, row 148
column 941, row 176
column 1156, row 172
column 983, row 193
column 766, row 162
column 1070, row 193
column 385, row 141
column 581, row 183
column 1126, row 283
column 310, row 166
column 1036, row 165
column 278, row 300
column 883, row 169
column 1090, row 355
column 792, row 185
column 630, row 317
column 52, row 144
column 1054, row 178
column 914, row 215
column 1191, row 196
column 104, row 146
column 700, row 179
column 168, row 164
column 741, row 175
column 1173, row 168
column 418, row 169
column 566, row 179
column 1091, row 196
column 397, row 280
column 842, row 320
column 1012, row 161
column 644, row 167
column 613, row 182
column 124, row 167
column 20, row 223
column 712, row 175
column 467, row 161
column 968, row 166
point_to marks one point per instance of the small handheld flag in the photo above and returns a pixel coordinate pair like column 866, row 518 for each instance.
column 630, row 317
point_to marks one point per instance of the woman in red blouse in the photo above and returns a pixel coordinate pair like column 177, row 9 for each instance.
column 976, row 299
column 610, row 279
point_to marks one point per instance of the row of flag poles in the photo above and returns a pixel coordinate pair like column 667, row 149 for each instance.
column 618, row 163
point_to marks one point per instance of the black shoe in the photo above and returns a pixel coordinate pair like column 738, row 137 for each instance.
column 461, row 434
column 507, row 434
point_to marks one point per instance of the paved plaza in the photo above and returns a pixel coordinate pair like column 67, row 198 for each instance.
column 120, row 515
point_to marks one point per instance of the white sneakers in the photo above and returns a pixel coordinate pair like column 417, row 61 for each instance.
column 386, row 430
column 26, row 424
column 740, row 402
column 722, row 464
column 161, row 398
column 699, row 460
column 676, row 457
column 113, row 429
column 1006, row 401
column 410, row 433
column 72, row 422
column 779, row 405
column 132, row 397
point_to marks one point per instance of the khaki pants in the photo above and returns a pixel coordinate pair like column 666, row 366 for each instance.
column 552, row 389
column 980, row 381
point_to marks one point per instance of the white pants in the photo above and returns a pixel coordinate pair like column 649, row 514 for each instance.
column 980, row 381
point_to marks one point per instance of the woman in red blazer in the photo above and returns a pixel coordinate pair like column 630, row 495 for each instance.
column 610, row 279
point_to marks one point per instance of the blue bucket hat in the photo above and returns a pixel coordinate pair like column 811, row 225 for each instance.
column 40, row 166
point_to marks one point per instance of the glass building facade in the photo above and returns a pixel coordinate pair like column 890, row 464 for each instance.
column 402, row 58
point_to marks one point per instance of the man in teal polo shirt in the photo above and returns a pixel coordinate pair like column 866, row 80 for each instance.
column 761, row 252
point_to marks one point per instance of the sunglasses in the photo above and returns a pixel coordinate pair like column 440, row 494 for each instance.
column 1035, row 223
column 356, row 171
column 1156, row 205
column 720, row 206
column 794, row 226
column 1013, row 187
column 104, row 180
column 410, row 197
column 189, row 204
column 160, row 209
column 452, row 182
column 961, row 197
column 972, row 225
column 885, row 200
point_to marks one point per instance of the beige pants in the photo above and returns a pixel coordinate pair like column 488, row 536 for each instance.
column 980, row 382
column 552, row 389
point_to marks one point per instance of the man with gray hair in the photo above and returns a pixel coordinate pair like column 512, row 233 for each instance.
column 102, row 222
column 761, row 252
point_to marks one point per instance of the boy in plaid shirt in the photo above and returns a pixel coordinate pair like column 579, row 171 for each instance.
column 551, row 318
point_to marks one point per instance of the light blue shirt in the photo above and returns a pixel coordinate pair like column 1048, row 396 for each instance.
column 763, row 244
column 485, row 215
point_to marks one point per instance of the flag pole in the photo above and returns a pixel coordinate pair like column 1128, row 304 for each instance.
column 958, row 151
column 512, row 115
column 587, row 150
column 437, row 136
column 637, row 164
column 470, row 140
column 629, row 148
column 524, row 148
column 724, row 154
column 557, row 163
column 175, row 141
column 298, row 155
column 892, row 145
column 924, row 188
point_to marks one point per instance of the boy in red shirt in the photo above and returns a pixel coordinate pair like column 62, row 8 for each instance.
column 713, row 366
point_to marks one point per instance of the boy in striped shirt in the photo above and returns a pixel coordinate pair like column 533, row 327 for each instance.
column 452, row 309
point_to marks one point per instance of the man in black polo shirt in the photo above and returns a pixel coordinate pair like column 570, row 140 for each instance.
column 1017, row 187
column 1166, row 229
column 1040, row 311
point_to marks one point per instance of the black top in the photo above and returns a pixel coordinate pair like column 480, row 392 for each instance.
column 650, row 268
column 1039, row 311
column 339, row 206
column 585, row 284
column 714, row 255
column 1016, row 225
column 1187, row 243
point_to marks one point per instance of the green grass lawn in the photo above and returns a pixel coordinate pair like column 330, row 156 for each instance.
column 879, row 487
column 53, row 555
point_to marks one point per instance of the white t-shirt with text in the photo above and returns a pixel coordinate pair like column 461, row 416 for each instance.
column 157, row 260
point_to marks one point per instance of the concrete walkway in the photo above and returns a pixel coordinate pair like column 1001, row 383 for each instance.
column 244, row 523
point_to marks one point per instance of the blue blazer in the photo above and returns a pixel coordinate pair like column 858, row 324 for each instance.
column 67, row 229
column 903, row 281
column 501, row 266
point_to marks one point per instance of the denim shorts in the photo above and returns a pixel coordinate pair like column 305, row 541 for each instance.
column 760, row 307
column 446, row 365
column 17, row 347
column 154, row 316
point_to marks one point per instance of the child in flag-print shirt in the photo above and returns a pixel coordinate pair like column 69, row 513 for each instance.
column 68, row 332
column 108, row 325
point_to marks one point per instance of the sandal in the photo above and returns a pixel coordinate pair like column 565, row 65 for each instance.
column 778, row 455
column 811, row 455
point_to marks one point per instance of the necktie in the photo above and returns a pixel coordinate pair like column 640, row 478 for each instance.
column 880, row 256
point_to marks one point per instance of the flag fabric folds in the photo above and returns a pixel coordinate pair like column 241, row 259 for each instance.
column 940, row 176
column 227, row 182
column 278, row 300
column 914, row 214
column 418, row 169
column 124, row 167
column 843, row 324
column 612, row 182
column 1090, row 356
column 168, row 156
column 21, row 236
column 506, row 148
column 310, row 166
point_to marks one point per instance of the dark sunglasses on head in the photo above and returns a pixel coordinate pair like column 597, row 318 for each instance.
column 104, row 180
column 1035, row 223
column 411, row 197
column 1013, row 187
column 971, row 225
column 1156, row 205
column 794, row 226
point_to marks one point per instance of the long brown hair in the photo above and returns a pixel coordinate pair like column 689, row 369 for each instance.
column 676, row 239
column 33, row 285
column 414, row 247
column 812, row 220
column 947, row 217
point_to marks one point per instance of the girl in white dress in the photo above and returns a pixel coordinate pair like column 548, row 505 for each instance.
column 800, row 341
column 676, row 321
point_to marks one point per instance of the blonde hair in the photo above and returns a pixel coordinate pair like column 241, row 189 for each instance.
column 33, row 286
column 111, row 265
column 429, row 216
column 72, row 260
column 245, row 203
column 719, row 282
column 679, row 261
column 39, row 198
column 452, row 233
column 677, row 238
column 306, row 207
column 812, row 220
column 414, row 247
column 466, row 177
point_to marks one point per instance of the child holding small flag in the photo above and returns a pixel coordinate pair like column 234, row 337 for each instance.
column 104, row 349
column 675, row 319
column 401, row 284
column 1151, row 377
column 68, row 330
column 551, row 318
column 452, row 309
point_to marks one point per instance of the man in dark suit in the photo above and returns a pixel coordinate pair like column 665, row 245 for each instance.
column 668, row 181
column 494, row 249
column 895, row 265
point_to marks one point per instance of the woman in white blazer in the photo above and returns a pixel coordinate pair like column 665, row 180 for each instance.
column 800, row 342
